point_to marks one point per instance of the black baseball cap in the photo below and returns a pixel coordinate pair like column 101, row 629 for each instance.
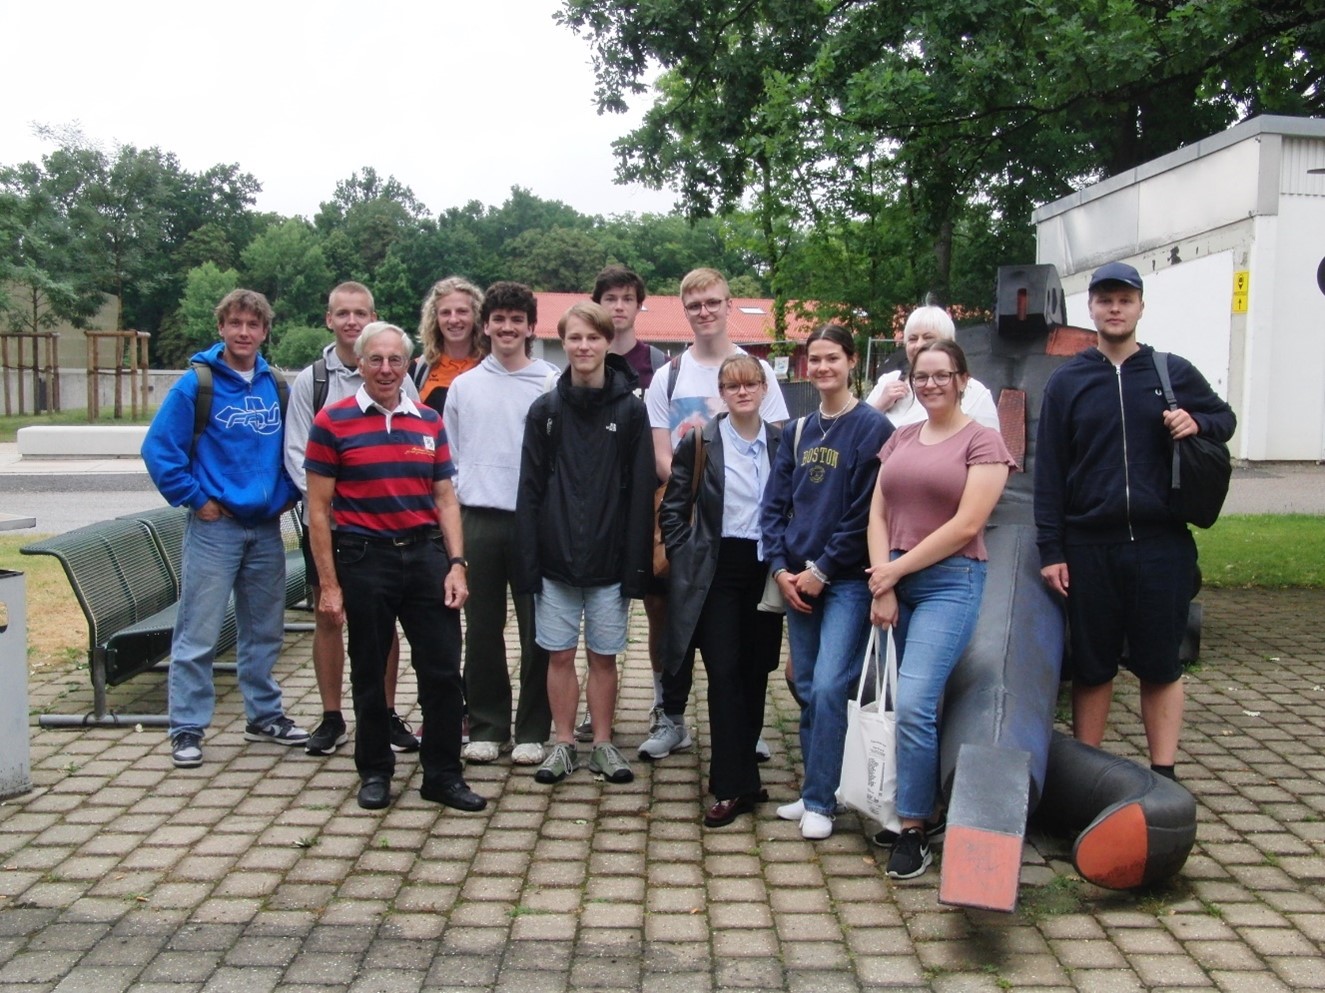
column 1116, row 272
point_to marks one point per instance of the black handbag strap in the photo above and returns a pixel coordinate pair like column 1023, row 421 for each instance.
column 1162, row 367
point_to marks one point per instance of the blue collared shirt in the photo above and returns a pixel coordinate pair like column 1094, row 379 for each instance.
column 743, row 487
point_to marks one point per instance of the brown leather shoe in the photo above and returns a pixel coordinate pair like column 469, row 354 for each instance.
column 724, row 812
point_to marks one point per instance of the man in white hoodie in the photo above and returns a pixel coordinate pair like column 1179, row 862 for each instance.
column 485, row 417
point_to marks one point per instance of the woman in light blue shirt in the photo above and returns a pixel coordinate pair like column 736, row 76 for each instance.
column 709, row 520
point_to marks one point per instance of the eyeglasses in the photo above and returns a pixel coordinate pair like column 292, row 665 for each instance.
column 938, row 378
column 377, row 361
column 697, row 307
column 738, row 387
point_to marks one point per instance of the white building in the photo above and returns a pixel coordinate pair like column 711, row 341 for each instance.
column 1229, row 236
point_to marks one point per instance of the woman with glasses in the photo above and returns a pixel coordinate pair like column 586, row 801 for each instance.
column 451, row 338
column 938, row 482
column 893, row 396
column 813, row 521
column 710, row 526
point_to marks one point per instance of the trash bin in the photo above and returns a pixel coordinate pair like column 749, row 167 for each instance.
column 15, row 756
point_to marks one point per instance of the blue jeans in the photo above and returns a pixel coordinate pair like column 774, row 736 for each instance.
column 827, row 651
column 219, row 557
column 937, row 610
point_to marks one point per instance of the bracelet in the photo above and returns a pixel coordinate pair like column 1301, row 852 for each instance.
column 816, row 572
column 778, row 572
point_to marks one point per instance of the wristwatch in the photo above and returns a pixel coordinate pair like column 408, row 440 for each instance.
column 459, row 560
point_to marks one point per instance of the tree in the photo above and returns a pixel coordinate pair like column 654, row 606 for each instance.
column 299, row 347
column 40, row 256
column 193, row 325
column 822, row 113
column 286, row 263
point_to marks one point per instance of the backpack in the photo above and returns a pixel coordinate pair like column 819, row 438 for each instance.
column 319, row 386
column 202, row 406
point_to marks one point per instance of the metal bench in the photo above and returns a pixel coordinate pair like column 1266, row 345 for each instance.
column 125, row 574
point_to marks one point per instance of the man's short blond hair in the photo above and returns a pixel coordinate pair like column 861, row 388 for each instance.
column 697, row 280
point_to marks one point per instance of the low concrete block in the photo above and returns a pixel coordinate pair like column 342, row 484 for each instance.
column 81, row 441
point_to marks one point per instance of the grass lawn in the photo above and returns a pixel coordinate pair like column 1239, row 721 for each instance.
column 9, row 425
column 1270, row 551
column 57, row 632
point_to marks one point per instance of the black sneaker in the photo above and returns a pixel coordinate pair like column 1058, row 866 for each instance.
column 329, row 735
column 911, row 855
column 401, row 734
column 934, row 832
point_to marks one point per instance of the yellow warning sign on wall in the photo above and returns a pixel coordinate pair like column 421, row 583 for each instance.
column 1241, row 287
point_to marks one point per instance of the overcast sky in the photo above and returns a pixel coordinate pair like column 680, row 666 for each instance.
column 458, row 100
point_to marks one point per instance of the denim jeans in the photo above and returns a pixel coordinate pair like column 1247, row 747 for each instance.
column 827, row 651
column 937, row 610
column 219, row 557
column 382, row 583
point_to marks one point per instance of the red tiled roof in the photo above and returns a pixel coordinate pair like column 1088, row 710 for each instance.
column 662, row 321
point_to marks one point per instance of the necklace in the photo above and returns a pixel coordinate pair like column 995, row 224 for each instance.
column 832, row 419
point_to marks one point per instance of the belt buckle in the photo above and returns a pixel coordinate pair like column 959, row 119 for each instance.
column 400, row 541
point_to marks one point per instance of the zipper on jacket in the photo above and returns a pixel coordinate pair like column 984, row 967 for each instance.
column 1127, row 476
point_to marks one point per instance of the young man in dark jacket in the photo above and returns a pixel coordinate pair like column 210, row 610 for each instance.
column 1108, row 540
column 584, row 528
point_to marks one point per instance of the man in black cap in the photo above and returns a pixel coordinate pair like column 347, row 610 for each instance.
column 1108, row 540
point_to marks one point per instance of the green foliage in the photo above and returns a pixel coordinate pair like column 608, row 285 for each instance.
column 193, row 326
column 299, row 347
column 1263, row 551
column 286, row 263
column 906, row 142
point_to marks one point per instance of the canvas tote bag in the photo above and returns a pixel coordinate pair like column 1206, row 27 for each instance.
column 869, row 758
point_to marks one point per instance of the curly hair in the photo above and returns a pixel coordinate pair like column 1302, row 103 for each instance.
column 241, row 301
column 430, row 335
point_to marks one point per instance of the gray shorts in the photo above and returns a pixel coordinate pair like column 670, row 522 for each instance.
column 559, row 609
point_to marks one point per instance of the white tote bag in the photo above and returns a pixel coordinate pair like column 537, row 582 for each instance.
column 869, row 758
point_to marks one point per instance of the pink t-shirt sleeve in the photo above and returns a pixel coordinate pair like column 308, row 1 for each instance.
column 923, row 484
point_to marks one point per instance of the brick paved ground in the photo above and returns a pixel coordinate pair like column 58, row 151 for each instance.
column 259, row 872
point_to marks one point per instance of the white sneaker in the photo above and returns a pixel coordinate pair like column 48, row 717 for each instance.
column 792, row 811
column 762, row 752
column 528, row 753
column 480, row 752
column 816, row 827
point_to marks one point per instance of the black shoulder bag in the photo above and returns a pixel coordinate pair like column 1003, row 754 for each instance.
column 1202, row 467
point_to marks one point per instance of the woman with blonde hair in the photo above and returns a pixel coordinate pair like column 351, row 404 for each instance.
column 451, row 337
column 710, row 524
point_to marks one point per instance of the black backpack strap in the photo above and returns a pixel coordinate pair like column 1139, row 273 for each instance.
column 202, row 404
column 674, row 367
column 319, row 385
column 657, row 358
column 1162, row 367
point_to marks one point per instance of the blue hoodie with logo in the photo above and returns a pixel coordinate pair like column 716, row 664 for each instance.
column 239, row 461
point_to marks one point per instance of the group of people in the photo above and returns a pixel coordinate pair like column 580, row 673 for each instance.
column 447, row 482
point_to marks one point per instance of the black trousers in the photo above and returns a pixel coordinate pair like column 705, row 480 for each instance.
column 741, row 646
column 381, row 584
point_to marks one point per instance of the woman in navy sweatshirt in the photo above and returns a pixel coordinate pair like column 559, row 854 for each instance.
column 813, row 520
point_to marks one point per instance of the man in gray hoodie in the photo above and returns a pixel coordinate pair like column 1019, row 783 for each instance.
column 485, row 418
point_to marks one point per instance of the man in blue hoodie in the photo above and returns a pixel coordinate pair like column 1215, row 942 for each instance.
column 1109, row 541
column 231, row 476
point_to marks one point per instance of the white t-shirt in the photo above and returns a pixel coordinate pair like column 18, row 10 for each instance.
column 695, row 400
column 977, row 404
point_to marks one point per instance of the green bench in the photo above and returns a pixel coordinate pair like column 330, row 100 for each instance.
column 125, row 574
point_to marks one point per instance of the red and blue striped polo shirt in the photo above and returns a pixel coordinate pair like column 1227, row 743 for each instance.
column 385, row 465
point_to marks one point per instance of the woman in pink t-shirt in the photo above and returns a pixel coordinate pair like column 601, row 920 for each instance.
column 938, row 483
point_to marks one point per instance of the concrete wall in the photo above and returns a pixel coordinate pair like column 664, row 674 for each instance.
column 1245, row 201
